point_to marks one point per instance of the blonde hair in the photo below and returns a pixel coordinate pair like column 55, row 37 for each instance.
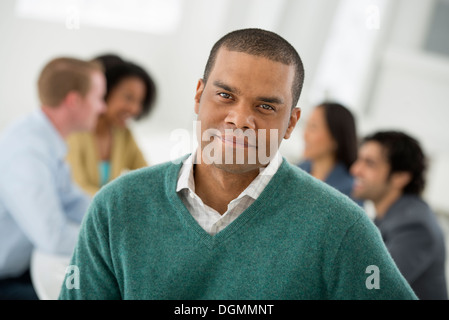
column 63, row 75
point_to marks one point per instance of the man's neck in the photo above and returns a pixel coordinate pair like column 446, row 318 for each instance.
column 57, row 119
column 217, row 187
column 383, row 205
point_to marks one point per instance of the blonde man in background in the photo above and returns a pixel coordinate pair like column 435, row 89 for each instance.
column 40, row 207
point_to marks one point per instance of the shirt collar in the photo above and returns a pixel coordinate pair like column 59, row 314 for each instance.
column 186, row 179
column 54, row 139
column 265, row 174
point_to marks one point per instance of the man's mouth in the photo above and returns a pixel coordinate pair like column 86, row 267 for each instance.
column 358, row 184
column 236, row 141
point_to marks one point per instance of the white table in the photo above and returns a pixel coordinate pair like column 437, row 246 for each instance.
column 48, row 273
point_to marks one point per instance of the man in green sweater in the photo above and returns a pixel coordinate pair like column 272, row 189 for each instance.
column 233, row 220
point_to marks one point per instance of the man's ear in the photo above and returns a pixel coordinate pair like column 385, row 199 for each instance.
column 199, row 92
column 294, row 117
column 72, row 100
column 400, row 179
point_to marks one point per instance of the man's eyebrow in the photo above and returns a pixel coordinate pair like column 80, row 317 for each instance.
column 369, row 160
column 273, row 100
column 224, row 86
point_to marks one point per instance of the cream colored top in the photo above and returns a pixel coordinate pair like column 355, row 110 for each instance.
column 84, row 159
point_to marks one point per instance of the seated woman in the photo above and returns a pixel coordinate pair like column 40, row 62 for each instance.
column 331, row 146
column 110, row 150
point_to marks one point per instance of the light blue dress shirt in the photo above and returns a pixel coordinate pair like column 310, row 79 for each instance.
column 40, row 206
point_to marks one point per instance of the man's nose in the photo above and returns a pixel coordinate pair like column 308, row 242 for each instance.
column 354, row 169
column 241, row 116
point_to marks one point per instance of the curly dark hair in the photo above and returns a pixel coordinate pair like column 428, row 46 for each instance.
column 405, row 154
column 117, row 69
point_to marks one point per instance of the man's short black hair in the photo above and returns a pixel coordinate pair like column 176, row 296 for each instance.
column 261, row 43
column 404, row 154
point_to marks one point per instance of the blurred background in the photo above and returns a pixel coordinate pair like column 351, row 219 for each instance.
column 386, row 60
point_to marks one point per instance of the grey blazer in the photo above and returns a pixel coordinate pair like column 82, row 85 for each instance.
column 415, row 240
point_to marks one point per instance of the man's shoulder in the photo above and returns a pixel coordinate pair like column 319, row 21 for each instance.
column 309, row 194
column 18, row 127
column 412, row 210
column 23, row 137
column 304, row 185
column 413, row 202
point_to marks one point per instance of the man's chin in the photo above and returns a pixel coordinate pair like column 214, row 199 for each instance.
column 237, row 168
column 233, row 160
column 358, row 195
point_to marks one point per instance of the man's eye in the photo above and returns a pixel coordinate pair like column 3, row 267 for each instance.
column 225, row 95
column 370, row 164
column 266, row 107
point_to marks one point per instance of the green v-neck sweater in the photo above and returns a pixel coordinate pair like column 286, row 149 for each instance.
column 301, row 239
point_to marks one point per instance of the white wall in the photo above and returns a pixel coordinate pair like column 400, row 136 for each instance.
column 28, row 44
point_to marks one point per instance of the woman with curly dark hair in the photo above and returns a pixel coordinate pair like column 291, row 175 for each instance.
column 110, row 150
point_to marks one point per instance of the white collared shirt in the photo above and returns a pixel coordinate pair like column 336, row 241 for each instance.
column 209, row 219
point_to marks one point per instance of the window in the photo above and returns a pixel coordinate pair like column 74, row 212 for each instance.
column 437, row 40
column 152, row 16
